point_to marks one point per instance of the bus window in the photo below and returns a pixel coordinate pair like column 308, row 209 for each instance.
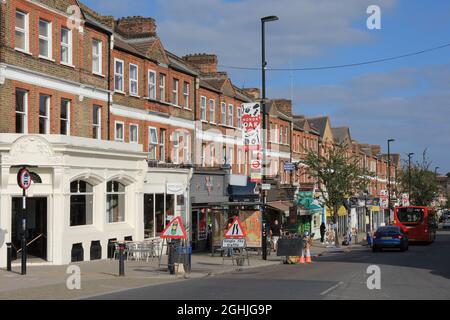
column 410, row 215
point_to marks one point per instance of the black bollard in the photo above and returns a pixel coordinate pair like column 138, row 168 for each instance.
column 171, row 258
column 121, row 260
column 8, row 256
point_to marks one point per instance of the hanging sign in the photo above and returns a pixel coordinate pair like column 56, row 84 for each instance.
column 24, row 179
column 174, row 230
column 251, row 123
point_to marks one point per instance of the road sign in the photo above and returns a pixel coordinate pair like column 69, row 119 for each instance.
column 266, row 186
column 256, row 164
column 174, row 230
column 288, row 166
column 233, row 243
column 235, row 230
column 24, row 179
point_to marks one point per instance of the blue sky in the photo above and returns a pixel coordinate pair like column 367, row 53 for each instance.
column 407, row 99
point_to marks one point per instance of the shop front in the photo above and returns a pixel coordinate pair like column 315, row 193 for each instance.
column 166, row 195
column 208, row 193
column 243, row 202
column 342, row 221
column 90, row 193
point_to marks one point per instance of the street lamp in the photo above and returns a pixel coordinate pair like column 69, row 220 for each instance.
column 435, row 171
column 389, row 177
column 264, row 127
column 409, row 172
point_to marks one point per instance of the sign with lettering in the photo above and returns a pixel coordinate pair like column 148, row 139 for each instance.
column 235, row 230
column 24, row 179
column 251, row 123
column 233, row 243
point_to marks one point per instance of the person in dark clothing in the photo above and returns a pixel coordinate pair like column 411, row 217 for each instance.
column 275, row 233
column 322, row 232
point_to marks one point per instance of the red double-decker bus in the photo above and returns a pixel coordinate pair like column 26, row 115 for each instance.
column 419, row 223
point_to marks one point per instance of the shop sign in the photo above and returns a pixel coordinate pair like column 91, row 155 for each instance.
column 209, row 184
column 405, row 200
column 175, row 188
column 266, row 186
column 384, row 202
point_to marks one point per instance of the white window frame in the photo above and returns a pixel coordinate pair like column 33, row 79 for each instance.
column 116, row 138
column 25, row 112
column 131, row 81
column 186, row 94
column 175, row 90
column 47, row 110
column 97, row 126
column 162, row 87
column 134, row 125
column 239, row 117
column 231, row 158
column 153, row 143
column 176, row 147
column 116, row 193
column 48, row 39
column 68, row 46
column 203, row 103
column 69, row 104
column 230, row 115
column 99, row 43
column 25, row 32
column 151, row 85
column 239, row 161
column 223, row 113
column 162, row 145
column 121, row 75
column 212, row 111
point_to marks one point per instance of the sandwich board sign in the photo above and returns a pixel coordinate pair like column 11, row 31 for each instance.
column 174, row 230
column 235, row 231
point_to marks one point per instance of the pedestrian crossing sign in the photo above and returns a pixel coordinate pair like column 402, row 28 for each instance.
column 235, row 230
column 174, row 230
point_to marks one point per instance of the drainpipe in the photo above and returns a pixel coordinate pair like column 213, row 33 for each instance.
column 110, row 47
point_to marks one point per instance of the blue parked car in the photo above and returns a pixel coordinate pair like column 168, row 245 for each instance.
column 390, row 237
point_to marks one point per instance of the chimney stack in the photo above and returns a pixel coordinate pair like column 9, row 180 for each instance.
column 136, row 27
column 205, row 63
column 376, row 149
column 252, row 92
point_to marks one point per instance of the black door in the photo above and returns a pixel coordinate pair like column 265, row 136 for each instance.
column 36, row 227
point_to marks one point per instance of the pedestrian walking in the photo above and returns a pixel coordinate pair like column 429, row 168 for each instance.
column 323, row 229
column 275, row 234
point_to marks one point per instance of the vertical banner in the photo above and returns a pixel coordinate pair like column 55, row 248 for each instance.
column 251, row 123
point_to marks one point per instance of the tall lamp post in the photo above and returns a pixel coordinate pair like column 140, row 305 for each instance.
column 264, row 128
column 389, row 177
column 409, row 172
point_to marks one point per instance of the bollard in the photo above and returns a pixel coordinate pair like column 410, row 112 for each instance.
column 171, row 262
column 8, row 256
column 121, row 260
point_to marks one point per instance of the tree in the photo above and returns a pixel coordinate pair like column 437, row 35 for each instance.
column 424, row 185
column 338, row 175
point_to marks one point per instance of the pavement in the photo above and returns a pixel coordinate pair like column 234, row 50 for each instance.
column 101, row 277
column 423, row 272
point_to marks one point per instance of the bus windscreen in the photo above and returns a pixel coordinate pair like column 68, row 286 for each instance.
column 410, row 215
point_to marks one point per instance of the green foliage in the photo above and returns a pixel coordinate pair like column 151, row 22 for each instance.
column 339, row 176
column 424, row 185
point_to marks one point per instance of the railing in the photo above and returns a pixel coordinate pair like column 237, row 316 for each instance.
column 32, row 241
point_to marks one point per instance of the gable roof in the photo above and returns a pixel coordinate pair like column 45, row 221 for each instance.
column 342, row 135
column 319, row 124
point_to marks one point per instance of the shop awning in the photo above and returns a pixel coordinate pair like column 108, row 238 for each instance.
column 282, row 206
column 243, row 193
column 342, row 212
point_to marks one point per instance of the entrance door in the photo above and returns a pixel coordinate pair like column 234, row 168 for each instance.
column 36, row 227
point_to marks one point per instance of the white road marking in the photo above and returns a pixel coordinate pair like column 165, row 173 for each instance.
column 331, row 289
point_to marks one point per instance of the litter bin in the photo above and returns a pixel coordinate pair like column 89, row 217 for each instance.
column 184, row 255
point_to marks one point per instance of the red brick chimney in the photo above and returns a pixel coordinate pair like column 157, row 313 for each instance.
column 136, row 27
column 205, row 63
column 284, row 106
column 376, row 149
column 252, row 92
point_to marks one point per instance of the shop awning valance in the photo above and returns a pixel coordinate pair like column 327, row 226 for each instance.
column 342, row 212
column 282, row 206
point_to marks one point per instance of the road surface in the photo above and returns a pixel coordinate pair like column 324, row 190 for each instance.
column 423, row 272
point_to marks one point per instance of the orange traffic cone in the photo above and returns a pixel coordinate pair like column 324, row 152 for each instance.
column 301, row 260
column 308, row 257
